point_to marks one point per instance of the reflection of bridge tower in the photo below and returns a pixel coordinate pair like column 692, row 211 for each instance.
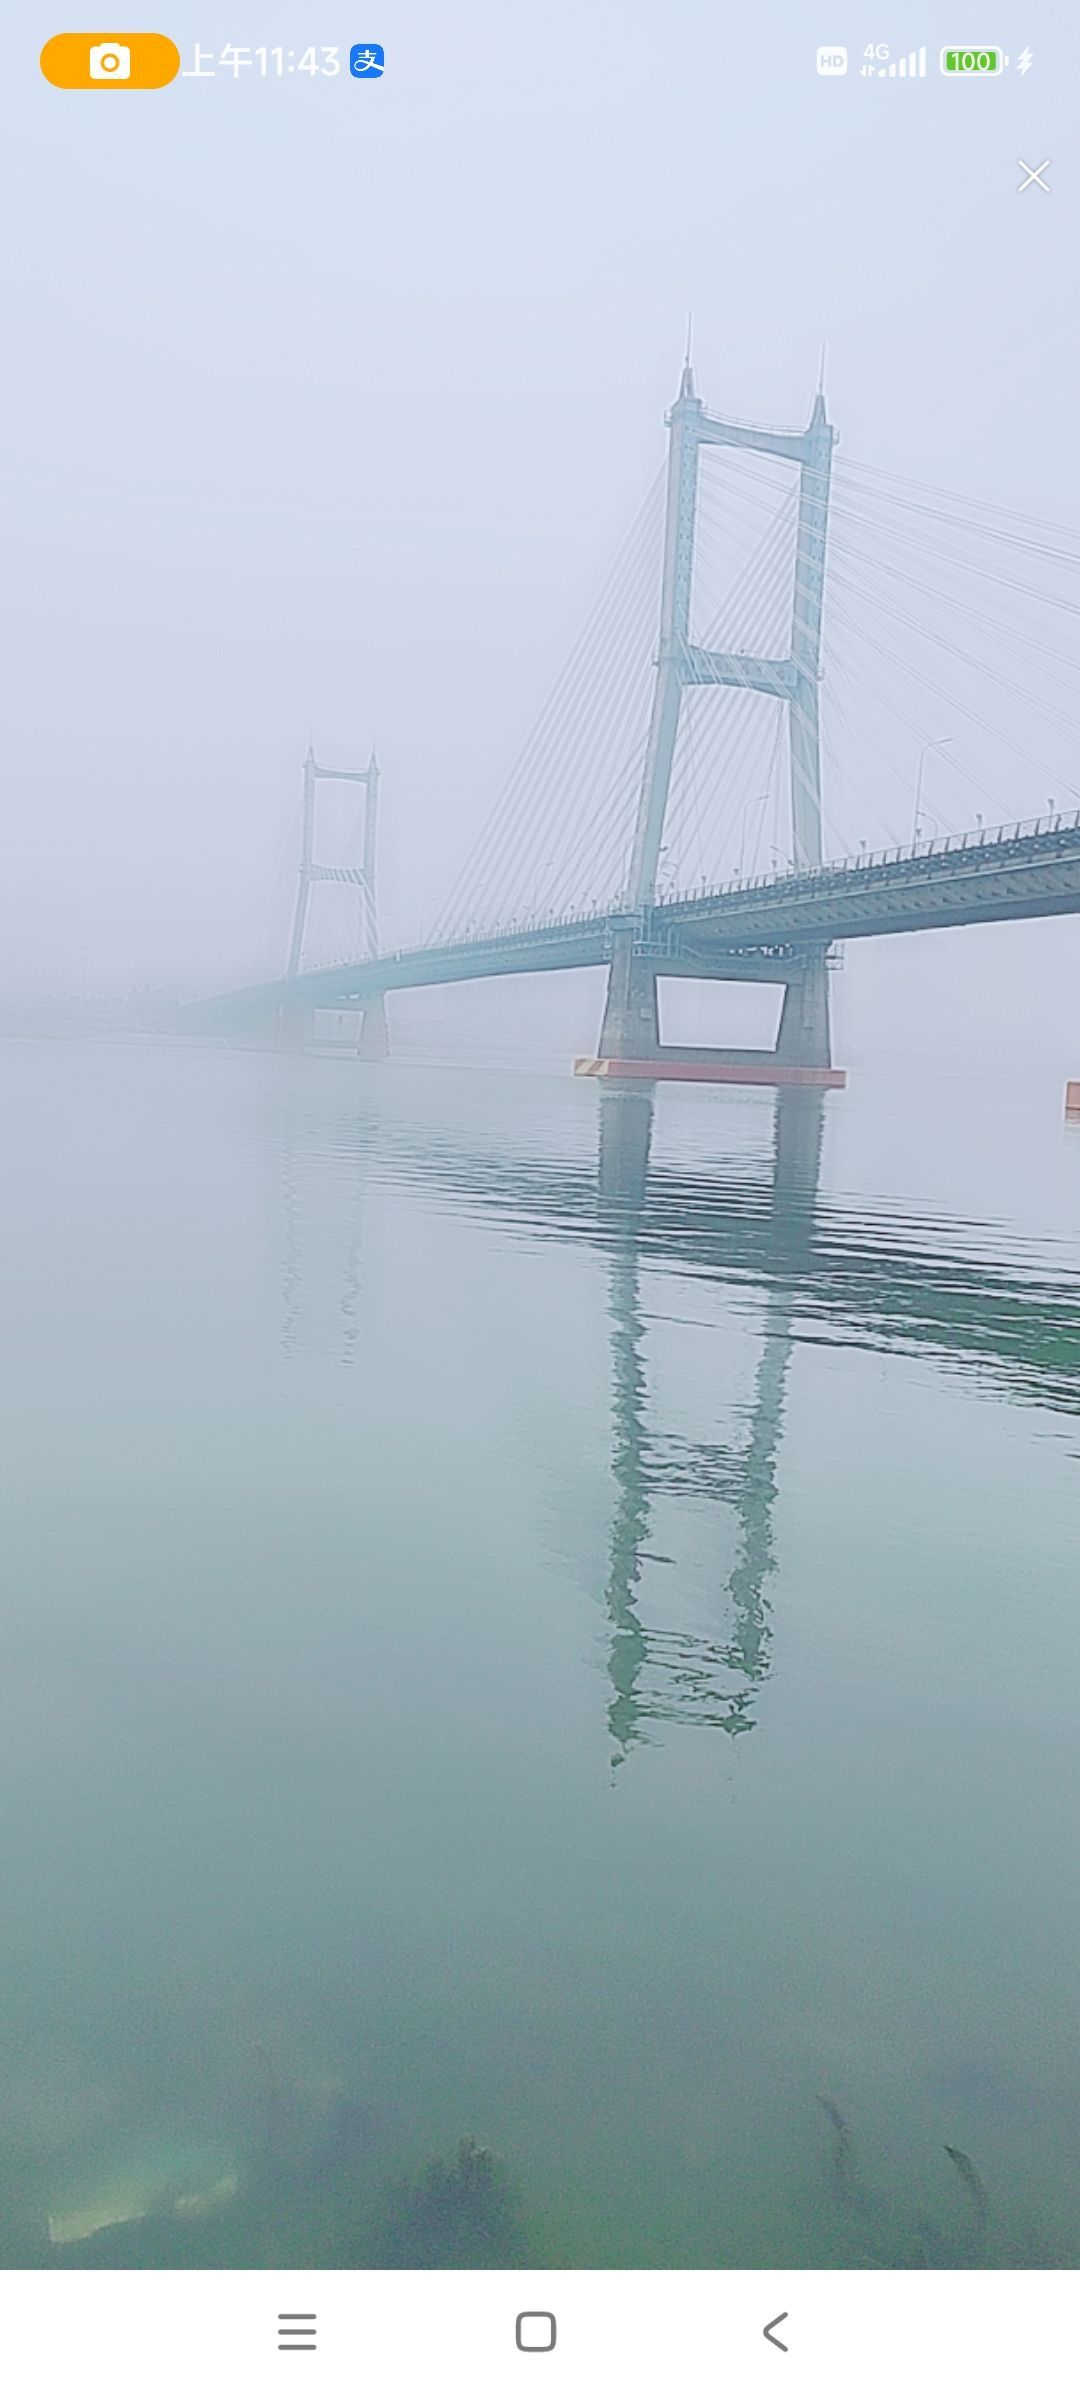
column 667, row 1674
column 325, row 1168
column 631, row 1029
column 373, row 1041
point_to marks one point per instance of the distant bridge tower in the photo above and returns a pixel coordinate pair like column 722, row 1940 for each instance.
column 373, row 1042
column 631, row 1022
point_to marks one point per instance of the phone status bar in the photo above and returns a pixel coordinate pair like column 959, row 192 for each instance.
column 879, row 63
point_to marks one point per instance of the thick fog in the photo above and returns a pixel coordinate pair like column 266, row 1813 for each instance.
column 328, row 405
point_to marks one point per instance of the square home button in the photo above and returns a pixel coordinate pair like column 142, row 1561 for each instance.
column 536, row 2330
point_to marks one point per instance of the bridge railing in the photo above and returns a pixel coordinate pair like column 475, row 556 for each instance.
column 596, row 918
column 1054, row 822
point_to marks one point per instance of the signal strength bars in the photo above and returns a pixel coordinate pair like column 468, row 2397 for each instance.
column 913, row 64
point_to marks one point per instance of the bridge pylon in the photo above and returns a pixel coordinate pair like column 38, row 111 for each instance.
column 631, row 1025
column 295, row 1017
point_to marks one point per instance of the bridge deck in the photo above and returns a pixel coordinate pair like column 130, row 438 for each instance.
column 1013, row 873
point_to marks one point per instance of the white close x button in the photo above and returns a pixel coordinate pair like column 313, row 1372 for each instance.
column 1033, row 175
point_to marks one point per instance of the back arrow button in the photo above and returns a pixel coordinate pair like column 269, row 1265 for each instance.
column 770, row 2332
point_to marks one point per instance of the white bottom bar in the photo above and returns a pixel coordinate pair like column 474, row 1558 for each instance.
column 388, row 2336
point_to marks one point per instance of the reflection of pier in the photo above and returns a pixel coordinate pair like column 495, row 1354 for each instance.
column 798, row 1265
column 666, row 1673
column 323, row 1186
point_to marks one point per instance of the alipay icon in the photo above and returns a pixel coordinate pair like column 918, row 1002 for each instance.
column 367, row 59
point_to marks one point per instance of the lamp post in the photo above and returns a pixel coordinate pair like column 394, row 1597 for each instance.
column 941, row 743
column 756, row 800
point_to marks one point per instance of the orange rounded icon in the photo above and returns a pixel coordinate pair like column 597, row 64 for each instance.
column 94, row 62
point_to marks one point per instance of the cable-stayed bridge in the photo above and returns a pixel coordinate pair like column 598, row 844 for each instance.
column 831, row 653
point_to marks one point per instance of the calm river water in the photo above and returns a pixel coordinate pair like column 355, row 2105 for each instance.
column 529, row 1625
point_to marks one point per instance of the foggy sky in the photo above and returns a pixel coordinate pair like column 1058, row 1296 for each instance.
column 329, row 403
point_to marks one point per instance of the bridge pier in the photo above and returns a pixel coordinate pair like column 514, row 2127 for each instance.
column 631, row 1026
column 373, row 1045
column 804, row 1038
column 630, row 1046
column 294, row 1029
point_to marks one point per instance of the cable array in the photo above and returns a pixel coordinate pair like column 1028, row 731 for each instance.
column 560, row 821
column 950, row 694
column 948, row 627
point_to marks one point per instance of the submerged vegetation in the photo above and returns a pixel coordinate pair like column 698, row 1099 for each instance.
column 316, row 2175
column 877, row 2229
column 313, row 2174
column 465, row 2215
column 326, row 2209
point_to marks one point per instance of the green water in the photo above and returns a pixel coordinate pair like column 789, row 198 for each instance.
column 508, row 1637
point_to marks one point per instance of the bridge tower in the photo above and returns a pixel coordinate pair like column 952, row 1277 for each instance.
column 631, row 1028
column 373, row 1041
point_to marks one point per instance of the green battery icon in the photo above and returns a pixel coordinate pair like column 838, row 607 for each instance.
column 971, row 62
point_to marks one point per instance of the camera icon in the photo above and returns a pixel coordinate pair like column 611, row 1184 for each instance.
column 110, row 62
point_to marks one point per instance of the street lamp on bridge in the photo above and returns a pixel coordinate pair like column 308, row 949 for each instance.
column 941, row 743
